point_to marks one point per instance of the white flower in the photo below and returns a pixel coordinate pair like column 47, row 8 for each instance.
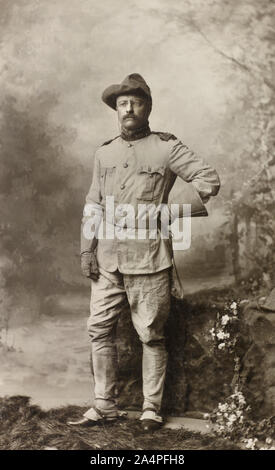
column 268, row 440
column 241, row 399
column 206, row 416
column 233, row 307
column 232, row 418
column 251, row 443
column 223, row 407
column 221, row 346
column 212, row 331
column 220, row 334
column 225, row 319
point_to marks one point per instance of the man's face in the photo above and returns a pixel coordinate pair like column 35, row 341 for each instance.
column 133, row 111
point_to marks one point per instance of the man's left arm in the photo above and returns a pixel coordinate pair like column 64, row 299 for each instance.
column 193, row 169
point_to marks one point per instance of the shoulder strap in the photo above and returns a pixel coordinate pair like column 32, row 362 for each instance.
column 165, row 136
column 109, row 141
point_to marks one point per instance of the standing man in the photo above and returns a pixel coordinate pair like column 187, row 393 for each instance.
column 139, row 167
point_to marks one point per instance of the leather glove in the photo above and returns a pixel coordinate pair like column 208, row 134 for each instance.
column 89, row 265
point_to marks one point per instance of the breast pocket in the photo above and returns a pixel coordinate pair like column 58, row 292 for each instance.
column 107, row 175
column 150, row 182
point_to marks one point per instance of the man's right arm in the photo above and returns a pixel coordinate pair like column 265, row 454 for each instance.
column 92, row 215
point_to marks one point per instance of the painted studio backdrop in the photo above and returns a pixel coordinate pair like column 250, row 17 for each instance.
column 209, row 66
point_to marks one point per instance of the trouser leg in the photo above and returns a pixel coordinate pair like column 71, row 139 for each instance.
column 149, row 299
column 108, row 298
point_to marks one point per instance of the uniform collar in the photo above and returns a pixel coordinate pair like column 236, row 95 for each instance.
column 136, row 134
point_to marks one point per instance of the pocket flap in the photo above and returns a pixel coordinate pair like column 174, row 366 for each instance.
column 151, row 169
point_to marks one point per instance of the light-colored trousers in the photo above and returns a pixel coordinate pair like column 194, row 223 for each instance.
column 148, row 296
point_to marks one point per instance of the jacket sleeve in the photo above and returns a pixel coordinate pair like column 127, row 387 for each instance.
column 193, row 169
column 92, row 213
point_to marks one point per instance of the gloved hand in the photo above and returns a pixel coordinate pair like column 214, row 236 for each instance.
column 89, row 265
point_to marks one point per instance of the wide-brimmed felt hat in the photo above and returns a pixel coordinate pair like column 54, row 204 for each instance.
column 132, row 84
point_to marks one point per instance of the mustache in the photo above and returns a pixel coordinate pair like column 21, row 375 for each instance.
column 130, row 115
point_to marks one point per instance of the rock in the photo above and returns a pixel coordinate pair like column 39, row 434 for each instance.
column 195, row 379
column 258, row 362
column 130, row 364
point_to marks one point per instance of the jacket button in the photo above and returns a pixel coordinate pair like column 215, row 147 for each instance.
column 129, row 145
column 122, row 186
column 125, row 165
column 151, row 175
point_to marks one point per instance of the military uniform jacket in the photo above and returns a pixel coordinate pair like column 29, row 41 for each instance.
column 138, row 172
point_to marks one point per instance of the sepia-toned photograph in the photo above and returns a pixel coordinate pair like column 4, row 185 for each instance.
column 137, row 229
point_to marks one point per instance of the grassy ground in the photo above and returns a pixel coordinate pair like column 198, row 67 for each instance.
column 24, row 426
